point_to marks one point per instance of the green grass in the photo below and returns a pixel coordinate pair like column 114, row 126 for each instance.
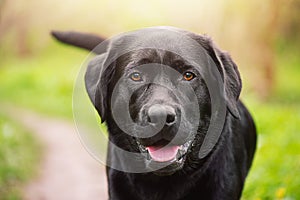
column 18, row 158
column 277, row 162
column 276, row 169
column 43, row 82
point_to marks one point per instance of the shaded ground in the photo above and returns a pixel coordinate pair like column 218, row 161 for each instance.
column 67, row 171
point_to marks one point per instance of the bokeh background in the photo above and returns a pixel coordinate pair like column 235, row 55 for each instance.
column 37, row 73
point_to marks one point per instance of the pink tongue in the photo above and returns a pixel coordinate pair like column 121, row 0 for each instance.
column 163, row 154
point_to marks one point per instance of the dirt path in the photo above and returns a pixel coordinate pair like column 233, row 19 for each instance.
column 67, row 171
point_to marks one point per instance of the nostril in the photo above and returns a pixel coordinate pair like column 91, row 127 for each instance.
column 170, row 119
column 149, row 119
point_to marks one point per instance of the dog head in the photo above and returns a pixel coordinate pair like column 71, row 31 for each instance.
column 150, row 88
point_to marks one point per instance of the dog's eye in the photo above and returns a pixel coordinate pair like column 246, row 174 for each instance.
column 188, row 76
column 136, row 76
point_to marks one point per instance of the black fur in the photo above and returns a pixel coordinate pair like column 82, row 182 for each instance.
column 218, row 176
column 82, row 40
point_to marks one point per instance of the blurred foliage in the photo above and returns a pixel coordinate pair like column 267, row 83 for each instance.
column 263, row 38
column 277, row 161
column 249, row 30
column 43, row 82
column 18, row 157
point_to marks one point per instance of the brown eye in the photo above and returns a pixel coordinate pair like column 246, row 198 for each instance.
column 136, row 76
column 188, row 76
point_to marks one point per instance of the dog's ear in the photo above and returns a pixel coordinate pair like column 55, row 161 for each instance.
column 83, row 40
column 96, row 83
column 232, row 82
column 229, row 73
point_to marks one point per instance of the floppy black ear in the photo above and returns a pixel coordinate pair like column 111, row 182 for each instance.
column 96, row 83
column 83, row 40
column 232, row 83
column 229, row 72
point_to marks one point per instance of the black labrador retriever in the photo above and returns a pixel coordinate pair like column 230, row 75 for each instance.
column 159, row 90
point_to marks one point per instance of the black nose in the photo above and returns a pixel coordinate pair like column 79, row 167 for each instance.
column 161, row 114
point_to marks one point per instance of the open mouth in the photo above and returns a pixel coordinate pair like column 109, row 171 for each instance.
column 165, row 153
